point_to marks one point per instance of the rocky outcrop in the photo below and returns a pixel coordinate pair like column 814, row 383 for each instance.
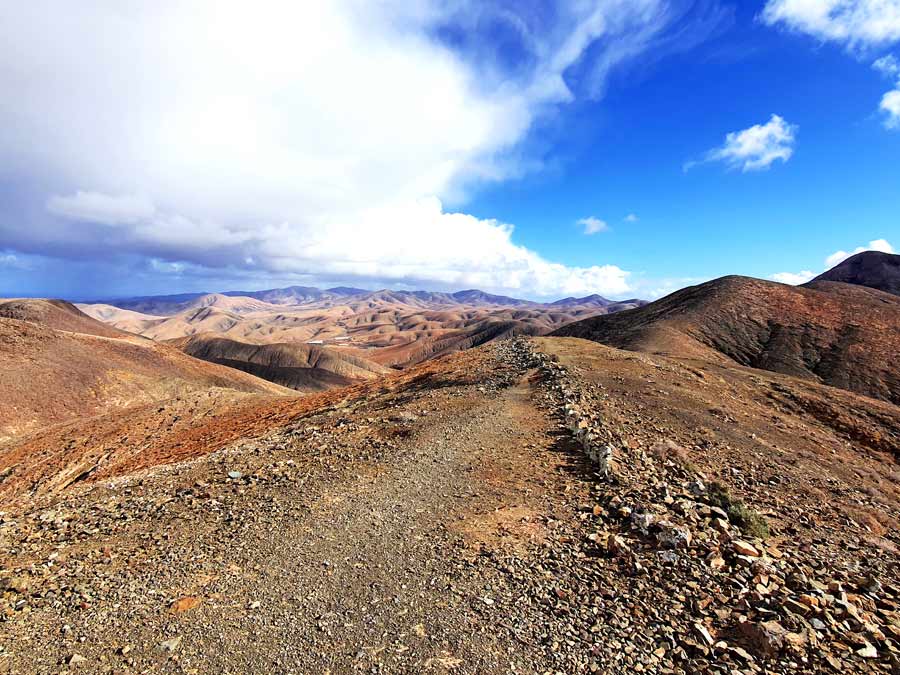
column 767, row 604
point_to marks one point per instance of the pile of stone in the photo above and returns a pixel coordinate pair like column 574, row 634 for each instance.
column 746, row 602
column 586, row 429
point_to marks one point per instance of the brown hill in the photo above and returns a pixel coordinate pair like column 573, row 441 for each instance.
column 842, row 335
column 75, row 367
column 874, row 269
column 298, row 366
column 56, row 314
column 394, row 328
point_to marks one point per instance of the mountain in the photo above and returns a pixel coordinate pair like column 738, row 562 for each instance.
column 56, row 314
column 166, row 305
column 874, row 269
column 842, row 335
column 297, row 366
column 391, row 327
column 476, row 297
column 60, row 365
column 296, row 295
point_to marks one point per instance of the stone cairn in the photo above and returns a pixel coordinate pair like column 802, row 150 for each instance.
column 586, row 429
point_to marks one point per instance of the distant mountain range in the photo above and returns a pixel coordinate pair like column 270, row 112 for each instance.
column 317, row 338
column 166, row 305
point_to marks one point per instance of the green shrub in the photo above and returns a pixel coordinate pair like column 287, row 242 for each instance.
column 750, row 522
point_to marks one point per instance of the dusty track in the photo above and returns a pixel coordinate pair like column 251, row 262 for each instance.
column 442, row 520
column 358, row 557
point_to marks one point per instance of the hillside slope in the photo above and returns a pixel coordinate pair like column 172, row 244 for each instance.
column 298, row 366
column 58, row 315
column 52, row 375
column 873, row 269
column 838, row 334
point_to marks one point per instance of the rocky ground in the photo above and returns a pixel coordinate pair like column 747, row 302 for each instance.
column 544, row 506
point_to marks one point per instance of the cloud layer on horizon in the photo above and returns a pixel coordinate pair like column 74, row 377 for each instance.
column 321, row 140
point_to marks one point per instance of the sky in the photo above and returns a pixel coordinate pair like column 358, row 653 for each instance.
column 537, row 149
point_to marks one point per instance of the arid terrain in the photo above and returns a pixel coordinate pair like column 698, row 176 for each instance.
column 531, row 505
column 873, row 269
column 393, row 328
column 60, row 365
column 445, row 519
column 840, row 334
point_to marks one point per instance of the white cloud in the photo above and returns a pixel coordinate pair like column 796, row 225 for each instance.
column 593, row 225
column 756, row 148
column 890, row 106
column 309, row 138
column 631, row 218
column 12, row 261
column 840, row 256
column 95, row 207
column 887, row 65
column 890, row 102
column 856, row 23
column 794, row 278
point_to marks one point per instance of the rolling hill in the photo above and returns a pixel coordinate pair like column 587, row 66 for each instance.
column 873, row 269
column 297, row 366
column 835, row 333
column 60, row 364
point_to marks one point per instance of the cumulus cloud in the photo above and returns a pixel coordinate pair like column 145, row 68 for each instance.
column 295, row 138
column 887, row 65
column 756, row 148
column 593, row 225
column 876, row 245
column 95, row 207
column 631, row 218
column 794, row 278
column 861, row 25
column 890, row 106
column 856, row 23
column 890, row 102
column 12, row 261
column 836, row 258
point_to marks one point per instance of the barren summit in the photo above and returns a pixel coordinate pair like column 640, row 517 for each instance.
column 839, row 334
column 873, row 269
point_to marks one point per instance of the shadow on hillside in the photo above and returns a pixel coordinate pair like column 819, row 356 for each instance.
column 574, row 461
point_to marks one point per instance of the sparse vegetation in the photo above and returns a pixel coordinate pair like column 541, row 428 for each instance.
column 751, row 522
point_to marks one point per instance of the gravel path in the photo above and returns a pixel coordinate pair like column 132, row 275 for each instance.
column 366, row 542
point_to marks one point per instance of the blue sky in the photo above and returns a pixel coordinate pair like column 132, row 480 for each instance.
column 535, row 149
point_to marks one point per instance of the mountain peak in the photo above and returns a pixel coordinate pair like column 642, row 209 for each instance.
column 874, row 269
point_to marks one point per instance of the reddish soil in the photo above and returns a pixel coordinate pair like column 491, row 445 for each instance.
column 838, row 334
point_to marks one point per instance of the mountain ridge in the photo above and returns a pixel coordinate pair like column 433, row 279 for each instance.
column 873, row 269
column 836, row 333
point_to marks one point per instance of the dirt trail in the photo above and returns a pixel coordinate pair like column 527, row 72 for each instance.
column 446, row 519
column 365, row 578
column 364, row 561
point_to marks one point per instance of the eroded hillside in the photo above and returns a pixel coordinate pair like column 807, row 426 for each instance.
column 60, row 365
column 447, row 519
column 839, row 334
